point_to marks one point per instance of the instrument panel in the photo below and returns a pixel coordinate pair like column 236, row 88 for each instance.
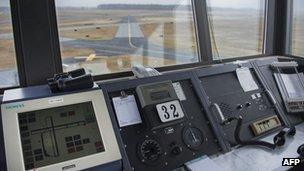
column 267, row 74
column 175, row 127
column 183, row 115
column 163, row 122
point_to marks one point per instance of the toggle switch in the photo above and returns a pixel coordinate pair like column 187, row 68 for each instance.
column 240, row 107
column 248, row 104
column 176, row 150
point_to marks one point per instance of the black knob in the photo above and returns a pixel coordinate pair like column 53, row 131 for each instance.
column 292, row 132
column 239, row 106
column 279, row 139
column 176, row 150
column 300, row 151
column 248, row 104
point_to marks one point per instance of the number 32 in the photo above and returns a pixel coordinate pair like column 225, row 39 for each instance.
column 173, row 108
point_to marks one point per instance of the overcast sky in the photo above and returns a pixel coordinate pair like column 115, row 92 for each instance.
column 299, row 4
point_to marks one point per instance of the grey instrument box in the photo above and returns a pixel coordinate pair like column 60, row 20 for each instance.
column 156, row 93
column 291, row 85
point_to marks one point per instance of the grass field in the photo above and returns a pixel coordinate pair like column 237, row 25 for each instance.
column 121, row 63
column 7, row 49
column 172, row 35
column 5, row 23
column 97, row 33
column 298, row 36
column 7, row 54
column 237, row 33
column 159, row 28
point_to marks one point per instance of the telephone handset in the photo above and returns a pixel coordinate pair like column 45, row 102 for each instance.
column 143, row 71
column 278, row 140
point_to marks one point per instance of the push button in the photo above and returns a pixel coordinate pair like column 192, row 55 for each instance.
column 176, row 150
column 240, row 107
column 248, row 104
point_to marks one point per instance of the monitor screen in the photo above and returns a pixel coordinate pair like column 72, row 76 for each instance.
column 59, row 134
column 160, row 95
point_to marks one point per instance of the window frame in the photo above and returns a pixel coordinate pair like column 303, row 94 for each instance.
column 28, row 76
column 289, row 28
column 289, row 31
column 17, row 46
column 25, row 40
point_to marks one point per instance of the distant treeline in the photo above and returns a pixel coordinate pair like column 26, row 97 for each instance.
column 4, row 9
column 143, row 7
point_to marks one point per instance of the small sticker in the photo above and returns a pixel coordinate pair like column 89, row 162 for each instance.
column 15, row 106
column 246, row 79
column 58, row 100
column 126, row 110
column 179, row 91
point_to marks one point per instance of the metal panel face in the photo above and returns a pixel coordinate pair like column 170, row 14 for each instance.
column 267, row 73
column 155, row 145
column 225, row 91
column 50, row 113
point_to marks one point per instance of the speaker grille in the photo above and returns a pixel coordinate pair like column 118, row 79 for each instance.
column 226, row 109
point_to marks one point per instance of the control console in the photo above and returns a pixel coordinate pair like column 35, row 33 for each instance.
column 171, row 128
column 229, row 99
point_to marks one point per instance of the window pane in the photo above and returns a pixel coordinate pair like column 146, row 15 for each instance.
column 8, row 67
column 298, row 28
column 236, row 27
column 108, row 36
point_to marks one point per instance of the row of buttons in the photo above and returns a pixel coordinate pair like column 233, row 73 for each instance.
column 241, row 106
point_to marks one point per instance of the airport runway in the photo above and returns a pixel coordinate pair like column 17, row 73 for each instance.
column 129, row 39
column 129, row 28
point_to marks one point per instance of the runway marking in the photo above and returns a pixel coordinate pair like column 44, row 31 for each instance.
column 91, row 58
column 122, row 53
column 130, row 36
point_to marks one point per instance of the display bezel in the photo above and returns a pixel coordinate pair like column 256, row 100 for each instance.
column 12, row 137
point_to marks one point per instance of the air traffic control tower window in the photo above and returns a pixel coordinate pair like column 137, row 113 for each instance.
column 110, row 36
column 298, row 28
column 8, row 66
column 236, row 27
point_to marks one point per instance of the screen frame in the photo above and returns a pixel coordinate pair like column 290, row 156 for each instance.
column 12, row 139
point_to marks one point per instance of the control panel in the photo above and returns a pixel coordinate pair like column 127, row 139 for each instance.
column 153, row 123
column 230, row 98
column 268, row 73
column 168, row 127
